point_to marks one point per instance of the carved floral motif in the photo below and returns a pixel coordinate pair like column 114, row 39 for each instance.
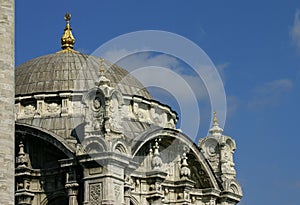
column 53, row 108
column 95, row 194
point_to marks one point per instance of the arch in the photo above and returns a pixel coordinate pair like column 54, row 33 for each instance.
column 46, row 135
column 121, row 148
column 233, row 186
column 231, row 143
column 118, row 95
column 45, row 150
column 58, row 198
column 134, row 201
column 94, row 93
column 94, row 143
column 176, row 135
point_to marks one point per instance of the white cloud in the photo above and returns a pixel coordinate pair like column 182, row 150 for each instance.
column 175, row 76
column 271, row 93
column 176, row 69
column 295, row 30
column 115, row 55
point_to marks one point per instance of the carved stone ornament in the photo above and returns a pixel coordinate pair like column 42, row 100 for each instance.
column 185, row 171
column 53, row 108
column 156, row 161
column 210, row 149
column 115, row 112
column 95, row 194
column 117, row 190
column 94, row 110
column 29, row 110
column 22, row 160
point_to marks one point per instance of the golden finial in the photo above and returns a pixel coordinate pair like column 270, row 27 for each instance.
column 215, row 130
column 215, row 118
column 67, row 40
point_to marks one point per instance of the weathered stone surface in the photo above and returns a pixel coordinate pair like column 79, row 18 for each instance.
column 7, row 102
column 74, row 72
column 87, row 132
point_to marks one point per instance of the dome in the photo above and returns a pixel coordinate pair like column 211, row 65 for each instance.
column 72, row 71
column 50, row 93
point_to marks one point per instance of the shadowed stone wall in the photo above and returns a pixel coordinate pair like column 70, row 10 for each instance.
column 7, row 92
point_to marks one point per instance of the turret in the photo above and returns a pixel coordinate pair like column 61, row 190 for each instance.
column 219, row 149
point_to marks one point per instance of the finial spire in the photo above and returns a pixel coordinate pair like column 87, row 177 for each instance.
column 67, row 39
column 102, row 79
column 102, row 68
column 215, row 130
column 215, row 118
column 22, row 159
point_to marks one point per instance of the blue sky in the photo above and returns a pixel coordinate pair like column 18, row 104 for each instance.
column 255, row 45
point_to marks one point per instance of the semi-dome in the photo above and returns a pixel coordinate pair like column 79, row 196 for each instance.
column 72, row 71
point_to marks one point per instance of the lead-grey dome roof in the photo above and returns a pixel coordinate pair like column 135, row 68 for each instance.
column 69, row 71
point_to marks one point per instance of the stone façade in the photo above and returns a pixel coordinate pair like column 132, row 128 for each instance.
column 78, row 142
column 7, row 101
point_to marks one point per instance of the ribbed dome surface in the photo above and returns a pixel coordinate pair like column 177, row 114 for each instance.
column 72, row 72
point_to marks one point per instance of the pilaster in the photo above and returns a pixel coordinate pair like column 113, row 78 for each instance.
column 7, row 94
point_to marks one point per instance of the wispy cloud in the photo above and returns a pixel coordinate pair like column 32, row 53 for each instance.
column 164, row 70
column 295, row 30
column 270, row 94
column 192, row 87
column 233, row 103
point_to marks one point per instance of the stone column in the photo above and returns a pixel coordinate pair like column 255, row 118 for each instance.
column 7, row 92
column 71, row 181
column 72, row 192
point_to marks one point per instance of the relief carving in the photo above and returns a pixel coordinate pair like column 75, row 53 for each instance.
column 139, row 113
column 95, row 194
column 155, row 117
column 95, row 110
column 29, row 110
column 114, row 123
column 227, row 165
column 117, row 190
column 211, row 151
column 53, row 108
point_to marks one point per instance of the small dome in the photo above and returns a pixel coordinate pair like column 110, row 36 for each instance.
column 72, row 71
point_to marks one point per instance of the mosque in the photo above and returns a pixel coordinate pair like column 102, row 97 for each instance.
column 87, row 132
